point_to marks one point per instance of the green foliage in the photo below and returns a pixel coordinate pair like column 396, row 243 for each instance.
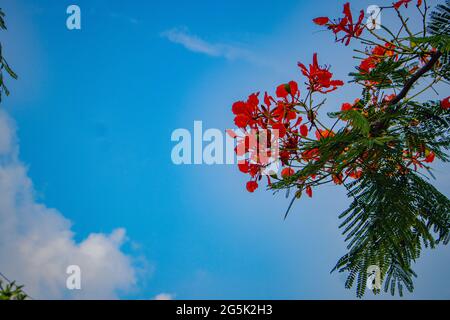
column 355, row 118
column 438, row 41
column 439, row 27
column 395, row 211
column 440, row 20
column 395, row 214
column 392, row 215
column 389, row 220
column 11, row 291
column 388, row 74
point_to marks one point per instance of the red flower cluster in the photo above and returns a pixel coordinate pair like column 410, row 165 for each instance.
column 262, row 125
column 348, row 106
column 256, row 155
column 345, row 25
column 378, row 54
column 319, row 77
column 272, row 130
column 246, row 112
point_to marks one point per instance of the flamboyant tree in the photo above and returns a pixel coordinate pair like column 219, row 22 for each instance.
column 379, row 145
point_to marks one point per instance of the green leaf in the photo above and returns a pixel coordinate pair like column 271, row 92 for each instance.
column 357, row 120
column 9, row 70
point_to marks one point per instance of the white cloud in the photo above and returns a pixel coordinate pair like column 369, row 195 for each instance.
column 37, row 244
column 164, row 296
column 196, row 44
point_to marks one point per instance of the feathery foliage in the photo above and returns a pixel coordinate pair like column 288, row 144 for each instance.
column 395, row 211
column 393, row 216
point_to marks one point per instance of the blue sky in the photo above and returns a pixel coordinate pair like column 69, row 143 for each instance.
column 95, row 110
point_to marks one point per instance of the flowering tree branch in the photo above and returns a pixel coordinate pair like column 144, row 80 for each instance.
column 379, row 147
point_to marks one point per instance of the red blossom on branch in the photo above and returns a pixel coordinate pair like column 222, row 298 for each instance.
column 280, row 116
column 398, row 4
column 378, row 54
column 321, row 21
column 287, row 172
column 344, row 25
column 319, row 78
column 376, row 147
column 252, row 186
column 309, row 191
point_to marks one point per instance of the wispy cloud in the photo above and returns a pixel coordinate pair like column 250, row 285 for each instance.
column 196, row 44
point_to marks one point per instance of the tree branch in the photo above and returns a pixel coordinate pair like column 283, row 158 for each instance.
column 427, row 67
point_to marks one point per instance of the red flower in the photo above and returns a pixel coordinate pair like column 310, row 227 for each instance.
column 355, row 174
column 246, row 112
column 283, row 114
column 291, row 88
column 323, row 134
column 244, row 167
column 398, row 4
column 430, row 157
column 284, row 156
column 319, row 77
column 389, row 98
column 347, row 25
column 304, row 130
column 253, row 100
column 367, row 64
column 287, row 172
column 238, row 107
column 252, row 186
column 377, row 55
column 281, row 129
column 445, row 103
column 346, row 106
column 309, row 191
column 241, row 121
column 299, row 120
column 321, row 21
column 268, row 99
column 281, row 91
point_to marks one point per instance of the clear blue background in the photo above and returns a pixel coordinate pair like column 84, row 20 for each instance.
column 96, row 108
